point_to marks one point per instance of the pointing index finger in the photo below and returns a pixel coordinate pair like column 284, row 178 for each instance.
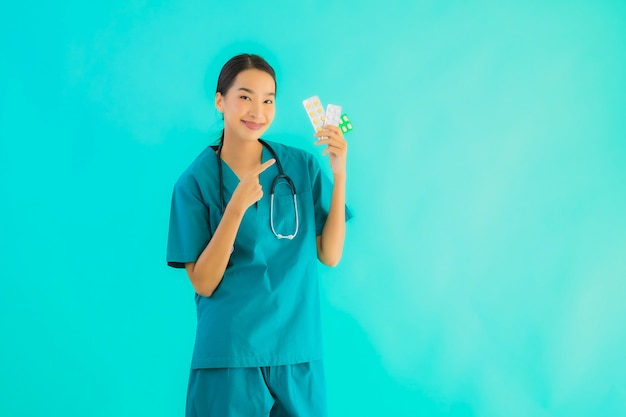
column 263, row 167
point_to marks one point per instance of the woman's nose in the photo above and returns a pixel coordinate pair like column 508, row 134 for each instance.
column 253, row 111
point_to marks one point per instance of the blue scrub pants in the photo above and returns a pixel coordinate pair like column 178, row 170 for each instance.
column 277, row 391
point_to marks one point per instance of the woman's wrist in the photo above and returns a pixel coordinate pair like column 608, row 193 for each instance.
column 339, row 176
column 234, row 210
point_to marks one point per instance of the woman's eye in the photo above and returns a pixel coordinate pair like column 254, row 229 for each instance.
column 269, row 102
column 245, row 97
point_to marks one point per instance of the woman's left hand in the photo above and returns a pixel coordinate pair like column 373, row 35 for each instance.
column 337, row 148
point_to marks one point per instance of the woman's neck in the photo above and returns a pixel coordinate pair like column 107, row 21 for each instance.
column 241, row 155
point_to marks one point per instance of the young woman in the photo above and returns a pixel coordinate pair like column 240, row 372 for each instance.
column 249, row 220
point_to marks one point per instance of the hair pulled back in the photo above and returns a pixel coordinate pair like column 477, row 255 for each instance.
column 240, row 63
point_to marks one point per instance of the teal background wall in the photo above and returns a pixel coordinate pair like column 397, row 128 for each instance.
column 484, row 273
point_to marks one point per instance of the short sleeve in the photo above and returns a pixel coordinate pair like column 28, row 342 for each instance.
column 322, row 188
column 189, row 229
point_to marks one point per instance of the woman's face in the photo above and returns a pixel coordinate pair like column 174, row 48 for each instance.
column 248, row 105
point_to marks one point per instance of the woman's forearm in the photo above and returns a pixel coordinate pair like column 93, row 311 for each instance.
column 330, row 243
column 207, row 272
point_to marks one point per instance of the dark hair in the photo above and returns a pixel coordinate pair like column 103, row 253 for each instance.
column 233, row 67
column 240, row 63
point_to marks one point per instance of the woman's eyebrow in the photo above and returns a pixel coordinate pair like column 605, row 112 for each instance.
column 247, row 90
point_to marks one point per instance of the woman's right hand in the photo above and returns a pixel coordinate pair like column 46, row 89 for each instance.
column 249, row 190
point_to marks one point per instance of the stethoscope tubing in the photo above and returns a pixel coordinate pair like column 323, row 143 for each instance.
column 281, row 176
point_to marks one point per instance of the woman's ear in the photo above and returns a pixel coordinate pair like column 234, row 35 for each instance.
column 219, row 102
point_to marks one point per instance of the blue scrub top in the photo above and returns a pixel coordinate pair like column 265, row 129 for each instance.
column 265, row 311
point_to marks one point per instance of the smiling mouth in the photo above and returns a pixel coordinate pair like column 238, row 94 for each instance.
column 252, row 125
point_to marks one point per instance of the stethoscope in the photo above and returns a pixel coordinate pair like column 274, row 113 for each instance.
column 281, row 176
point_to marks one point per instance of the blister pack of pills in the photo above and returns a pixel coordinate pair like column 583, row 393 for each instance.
column 333, row 114
column 345, row 124
column 315, row 111
column 319, row 118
